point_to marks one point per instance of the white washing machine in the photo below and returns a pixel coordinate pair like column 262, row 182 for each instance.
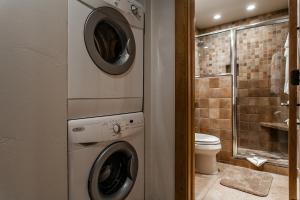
column 106, row 158
column 105, row 57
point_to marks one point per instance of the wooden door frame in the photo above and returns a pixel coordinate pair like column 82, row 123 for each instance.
column 184, row 99
column 292, row 136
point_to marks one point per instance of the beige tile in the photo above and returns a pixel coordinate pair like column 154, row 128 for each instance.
column 214, row 113
column 225, row 81
column 219, row 92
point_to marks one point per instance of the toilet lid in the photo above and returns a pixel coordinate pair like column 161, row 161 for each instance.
column 206, row 139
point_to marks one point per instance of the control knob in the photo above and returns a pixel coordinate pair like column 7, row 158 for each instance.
column 117, row 128
column 134, row 9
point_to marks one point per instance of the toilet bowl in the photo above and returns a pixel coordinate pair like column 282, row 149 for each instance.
column 206, row 149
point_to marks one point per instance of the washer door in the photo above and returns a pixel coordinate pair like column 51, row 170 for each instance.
column 109, row 40
column 114, row 172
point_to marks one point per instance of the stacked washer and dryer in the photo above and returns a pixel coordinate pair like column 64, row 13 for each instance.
column 105, row 100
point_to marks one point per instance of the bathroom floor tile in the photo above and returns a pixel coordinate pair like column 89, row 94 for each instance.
column 209, row 188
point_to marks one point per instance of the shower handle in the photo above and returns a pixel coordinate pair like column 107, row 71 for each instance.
column 287, row 104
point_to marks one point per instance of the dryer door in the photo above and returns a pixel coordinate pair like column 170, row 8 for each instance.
column 114, row 172
column 109, row 40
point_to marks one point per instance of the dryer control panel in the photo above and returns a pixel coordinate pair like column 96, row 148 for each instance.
column 103, row 129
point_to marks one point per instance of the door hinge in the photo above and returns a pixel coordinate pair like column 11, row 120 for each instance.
column 295, row 77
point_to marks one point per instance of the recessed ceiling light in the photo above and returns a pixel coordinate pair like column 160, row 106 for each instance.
column 251, row 7
column 217, row 16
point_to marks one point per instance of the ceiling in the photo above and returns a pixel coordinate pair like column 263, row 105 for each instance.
column 232, row 10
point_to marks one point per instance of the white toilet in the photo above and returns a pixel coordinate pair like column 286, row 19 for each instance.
column 206, row 149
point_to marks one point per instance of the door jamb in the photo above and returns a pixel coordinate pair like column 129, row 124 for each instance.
column 184, row 99
column 292, row 136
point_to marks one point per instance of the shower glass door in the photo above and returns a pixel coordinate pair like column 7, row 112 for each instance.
column 261, row 117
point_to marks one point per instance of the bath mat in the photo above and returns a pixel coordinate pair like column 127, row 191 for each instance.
column 246, row 180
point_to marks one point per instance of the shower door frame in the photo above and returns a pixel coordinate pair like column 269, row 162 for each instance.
column 233, row 61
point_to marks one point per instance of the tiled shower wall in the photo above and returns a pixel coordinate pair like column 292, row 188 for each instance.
column 260, row 56
column 213, row 110
column 214, row 54
column 257, row 101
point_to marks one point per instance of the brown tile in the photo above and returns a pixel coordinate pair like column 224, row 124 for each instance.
column 204, row 125
column 204, row 113
column 226, row 134
column 203, row 103
column 225, row 113
column 213, row 82
column 214, row 132
column 242, row 84
column 274, row 101
column 243, row 101
column 225, row 156
column 254, row 118
column 243, row 117
column 259, row 92
column 220, row 124
column 226, row 145
column 244, row 126
column 197, row 89
column 225, row 103
column 225, row 124
column 243, row 93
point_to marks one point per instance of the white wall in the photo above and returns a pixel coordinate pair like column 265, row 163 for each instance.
column 33, row 89
column 160, row 99
column 142, row 1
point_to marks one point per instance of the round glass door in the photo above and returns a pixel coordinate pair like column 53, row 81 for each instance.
column 109, row 40
column 114, row 172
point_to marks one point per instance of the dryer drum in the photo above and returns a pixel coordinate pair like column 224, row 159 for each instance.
column 114, row 172
column 109, row 40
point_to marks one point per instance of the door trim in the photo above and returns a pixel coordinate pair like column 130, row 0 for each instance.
column 292, row 136
column 184, row 99
column 184, row 112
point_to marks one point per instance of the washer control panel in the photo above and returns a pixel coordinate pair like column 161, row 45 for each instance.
column 129, row 6
column 102, row 129
column 117, row 128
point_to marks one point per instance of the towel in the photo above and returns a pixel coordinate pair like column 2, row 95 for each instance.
column 286, row 55
column 257, row 161
column 275, row 73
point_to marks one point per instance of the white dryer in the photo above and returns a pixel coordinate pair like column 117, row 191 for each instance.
column 105, row 57
column 106, row 158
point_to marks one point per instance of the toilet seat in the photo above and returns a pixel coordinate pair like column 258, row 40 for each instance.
column 204, row 139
